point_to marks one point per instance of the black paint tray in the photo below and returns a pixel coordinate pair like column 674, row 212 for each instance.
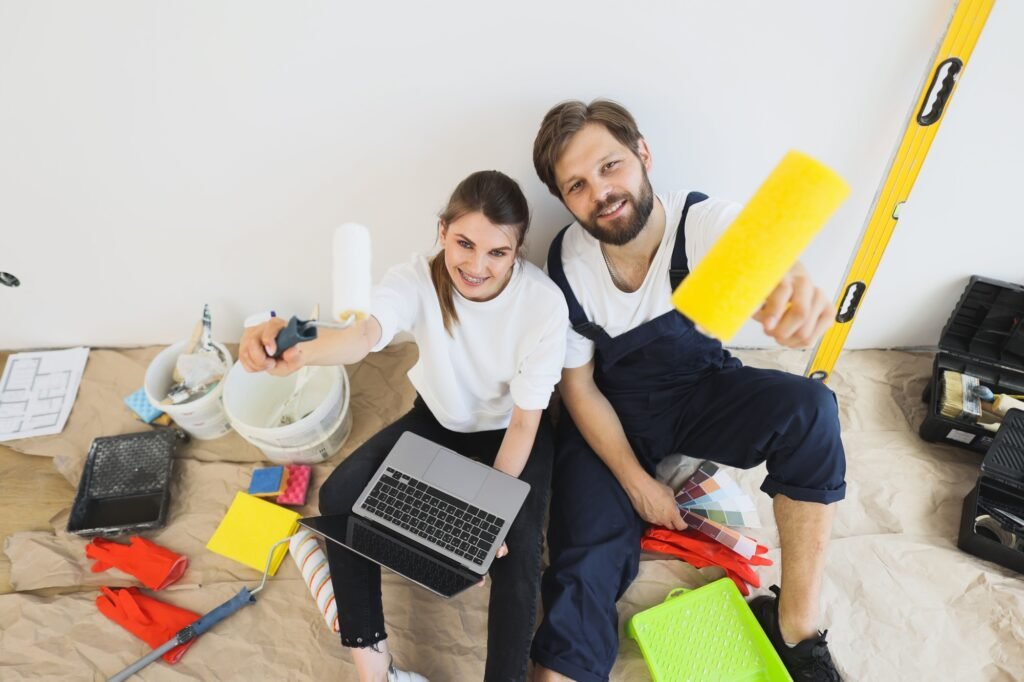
column 126, row 484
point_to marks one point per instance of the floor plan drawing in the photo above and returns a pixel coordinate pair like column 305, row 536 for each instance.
column 37, row 391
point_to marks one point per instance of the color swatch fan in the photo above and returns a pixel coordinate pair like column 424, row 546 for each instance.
column 710, row 502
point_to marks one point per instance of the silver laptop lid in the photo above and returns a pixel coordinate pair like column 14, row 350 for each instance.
column 421, row 565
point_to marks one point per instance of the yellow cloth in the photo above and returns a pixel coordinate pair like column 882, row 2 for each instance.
column 250, row 528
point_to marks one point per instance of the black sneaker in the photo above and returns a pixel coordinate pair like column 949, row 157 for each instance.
column 808, row 660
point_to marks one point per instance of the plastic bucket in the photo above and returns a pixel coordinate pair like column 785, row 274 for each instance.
column 313, row 453
column 252, row 399
column 204, row 418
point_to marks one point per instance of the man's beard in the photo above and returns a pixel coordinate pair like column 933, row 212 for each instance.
column 618, row 234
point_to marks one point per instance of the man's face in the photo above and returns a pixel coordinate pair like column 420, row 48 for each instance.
column 605, row 185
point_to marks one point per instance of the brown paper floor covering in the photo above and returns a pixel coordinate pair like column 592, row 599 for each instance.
column 900, row 600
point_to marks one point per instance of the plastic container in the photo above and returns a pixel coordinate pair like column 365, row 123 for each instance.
column 998, row 500
column 707, row 634
column 252, row 399
column 984, row 337
column 203, row 418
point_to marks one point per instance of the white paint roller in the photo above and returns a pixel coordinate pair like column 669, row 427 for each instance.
column 312, row 563
column 350, row 277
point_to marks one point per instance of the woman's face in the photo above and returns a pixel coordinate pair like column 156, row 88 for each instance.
column 478, row 255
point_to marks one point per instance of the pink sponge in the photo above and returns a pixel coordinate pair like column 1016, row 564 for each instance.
column 298, row 484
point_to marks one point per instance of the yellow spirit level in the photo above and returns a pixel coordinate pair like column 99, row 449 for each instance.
column 950, row 60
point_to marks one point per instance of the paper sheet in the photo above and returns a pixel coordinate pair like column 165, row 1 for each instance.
column 37, row 391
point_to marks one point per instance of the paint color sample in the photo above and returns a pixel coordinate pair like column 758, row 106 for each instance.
column 728, row 517
column 710, row 501
column 738, row 543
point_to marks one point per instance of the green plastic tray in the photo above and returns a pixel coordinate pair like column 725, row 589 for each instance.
column 707, row 634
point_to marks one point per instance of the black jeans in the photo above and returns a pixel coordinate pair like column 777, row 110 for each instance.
column 515, row 578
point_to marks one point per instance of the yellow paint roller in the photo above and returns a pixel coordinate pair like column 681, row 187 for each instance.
column 761, row 245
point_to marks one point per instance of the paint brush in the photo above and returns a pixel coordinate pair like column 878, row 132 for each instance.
column 964, row 398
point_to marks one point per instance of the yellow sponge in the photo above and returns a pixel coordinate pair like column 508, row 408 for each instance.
column 761, row 245
column 250, row 529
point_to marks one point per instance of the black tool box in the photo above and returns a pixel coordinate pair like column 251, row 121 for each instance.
column 992, row 525
column 126, row 483
column 984, row 337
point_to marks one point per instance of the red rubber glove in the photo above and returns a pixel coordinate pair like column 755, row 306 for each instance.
column 740, row 575
column 700, row 551
column 149, row 619
column 154, row 566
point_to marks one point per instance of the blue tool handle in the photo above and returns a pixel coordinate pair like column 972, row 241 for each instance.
column 296, row 332
column 243, row 598
column 189, row 632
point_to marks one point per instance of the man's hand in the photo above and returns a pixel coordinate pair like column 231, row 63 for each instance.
column 796, row 313
column 655, row 502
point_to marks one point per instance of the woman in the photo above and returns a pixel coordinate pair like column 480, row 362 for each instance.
column 491, row 330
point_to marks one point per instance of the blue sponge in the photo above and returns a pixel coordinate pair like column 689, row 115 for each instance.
column 267, row 482
column 140, row 405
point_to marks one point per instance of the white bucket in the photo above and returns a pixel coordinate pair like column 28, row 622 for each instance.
column 203, row 418
column 251, row 399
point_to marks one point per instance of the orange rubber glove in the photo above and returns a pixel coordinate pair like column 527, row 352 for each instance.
column 149, row 619
column 154, row 566
column 700, row 551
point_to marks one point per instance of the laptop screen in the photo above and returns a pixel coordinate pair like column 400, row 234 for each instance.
column 394, row 552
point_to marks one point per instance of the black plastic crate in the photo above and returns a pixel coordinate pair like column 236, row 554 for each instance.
column 992, row 525
column 976, row 539
column 126, row 484
column 984, row 337
column 1004, row 462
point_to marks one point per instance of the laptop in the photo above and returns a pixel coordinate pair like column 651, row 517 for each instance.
column 430, row 515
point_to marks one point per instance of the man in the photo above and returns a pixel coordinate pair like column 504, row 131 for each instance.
column 641, row 383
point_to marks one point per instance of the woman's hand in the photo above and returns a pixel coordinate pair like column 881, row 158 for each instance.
column 502, row 551
column 258, row 345
column 330, row 347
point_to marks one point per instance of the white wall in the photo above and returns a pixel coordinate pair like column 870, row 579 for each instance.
column 158, row 155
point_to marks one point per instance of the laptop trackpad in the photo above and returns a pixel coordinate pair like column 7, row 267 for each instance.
column 456, row 475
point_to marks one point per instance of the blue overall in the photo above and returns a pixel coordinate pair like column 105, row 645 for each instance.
column 674, row 390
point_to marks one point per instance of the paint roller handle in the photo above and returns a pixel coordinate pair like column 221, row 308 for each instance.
column 189, row 632
column 295, row 332
column 208, row 620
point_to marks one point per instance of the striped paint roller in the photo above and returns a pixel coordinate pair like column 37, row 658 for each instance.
column 760, row 246
column 312, row 563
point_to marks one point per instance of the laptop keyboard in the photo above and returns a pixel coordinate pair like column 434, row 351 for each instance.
column 437, row 517
column 409, row 563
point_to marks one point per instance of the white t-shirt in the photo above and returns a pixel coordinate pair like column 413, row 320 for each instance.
column 616, row 310
column 502, row 352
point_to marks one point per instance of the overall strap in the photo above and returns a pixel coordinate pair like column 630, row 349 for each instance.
column 577, row 317
column 679, row 268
